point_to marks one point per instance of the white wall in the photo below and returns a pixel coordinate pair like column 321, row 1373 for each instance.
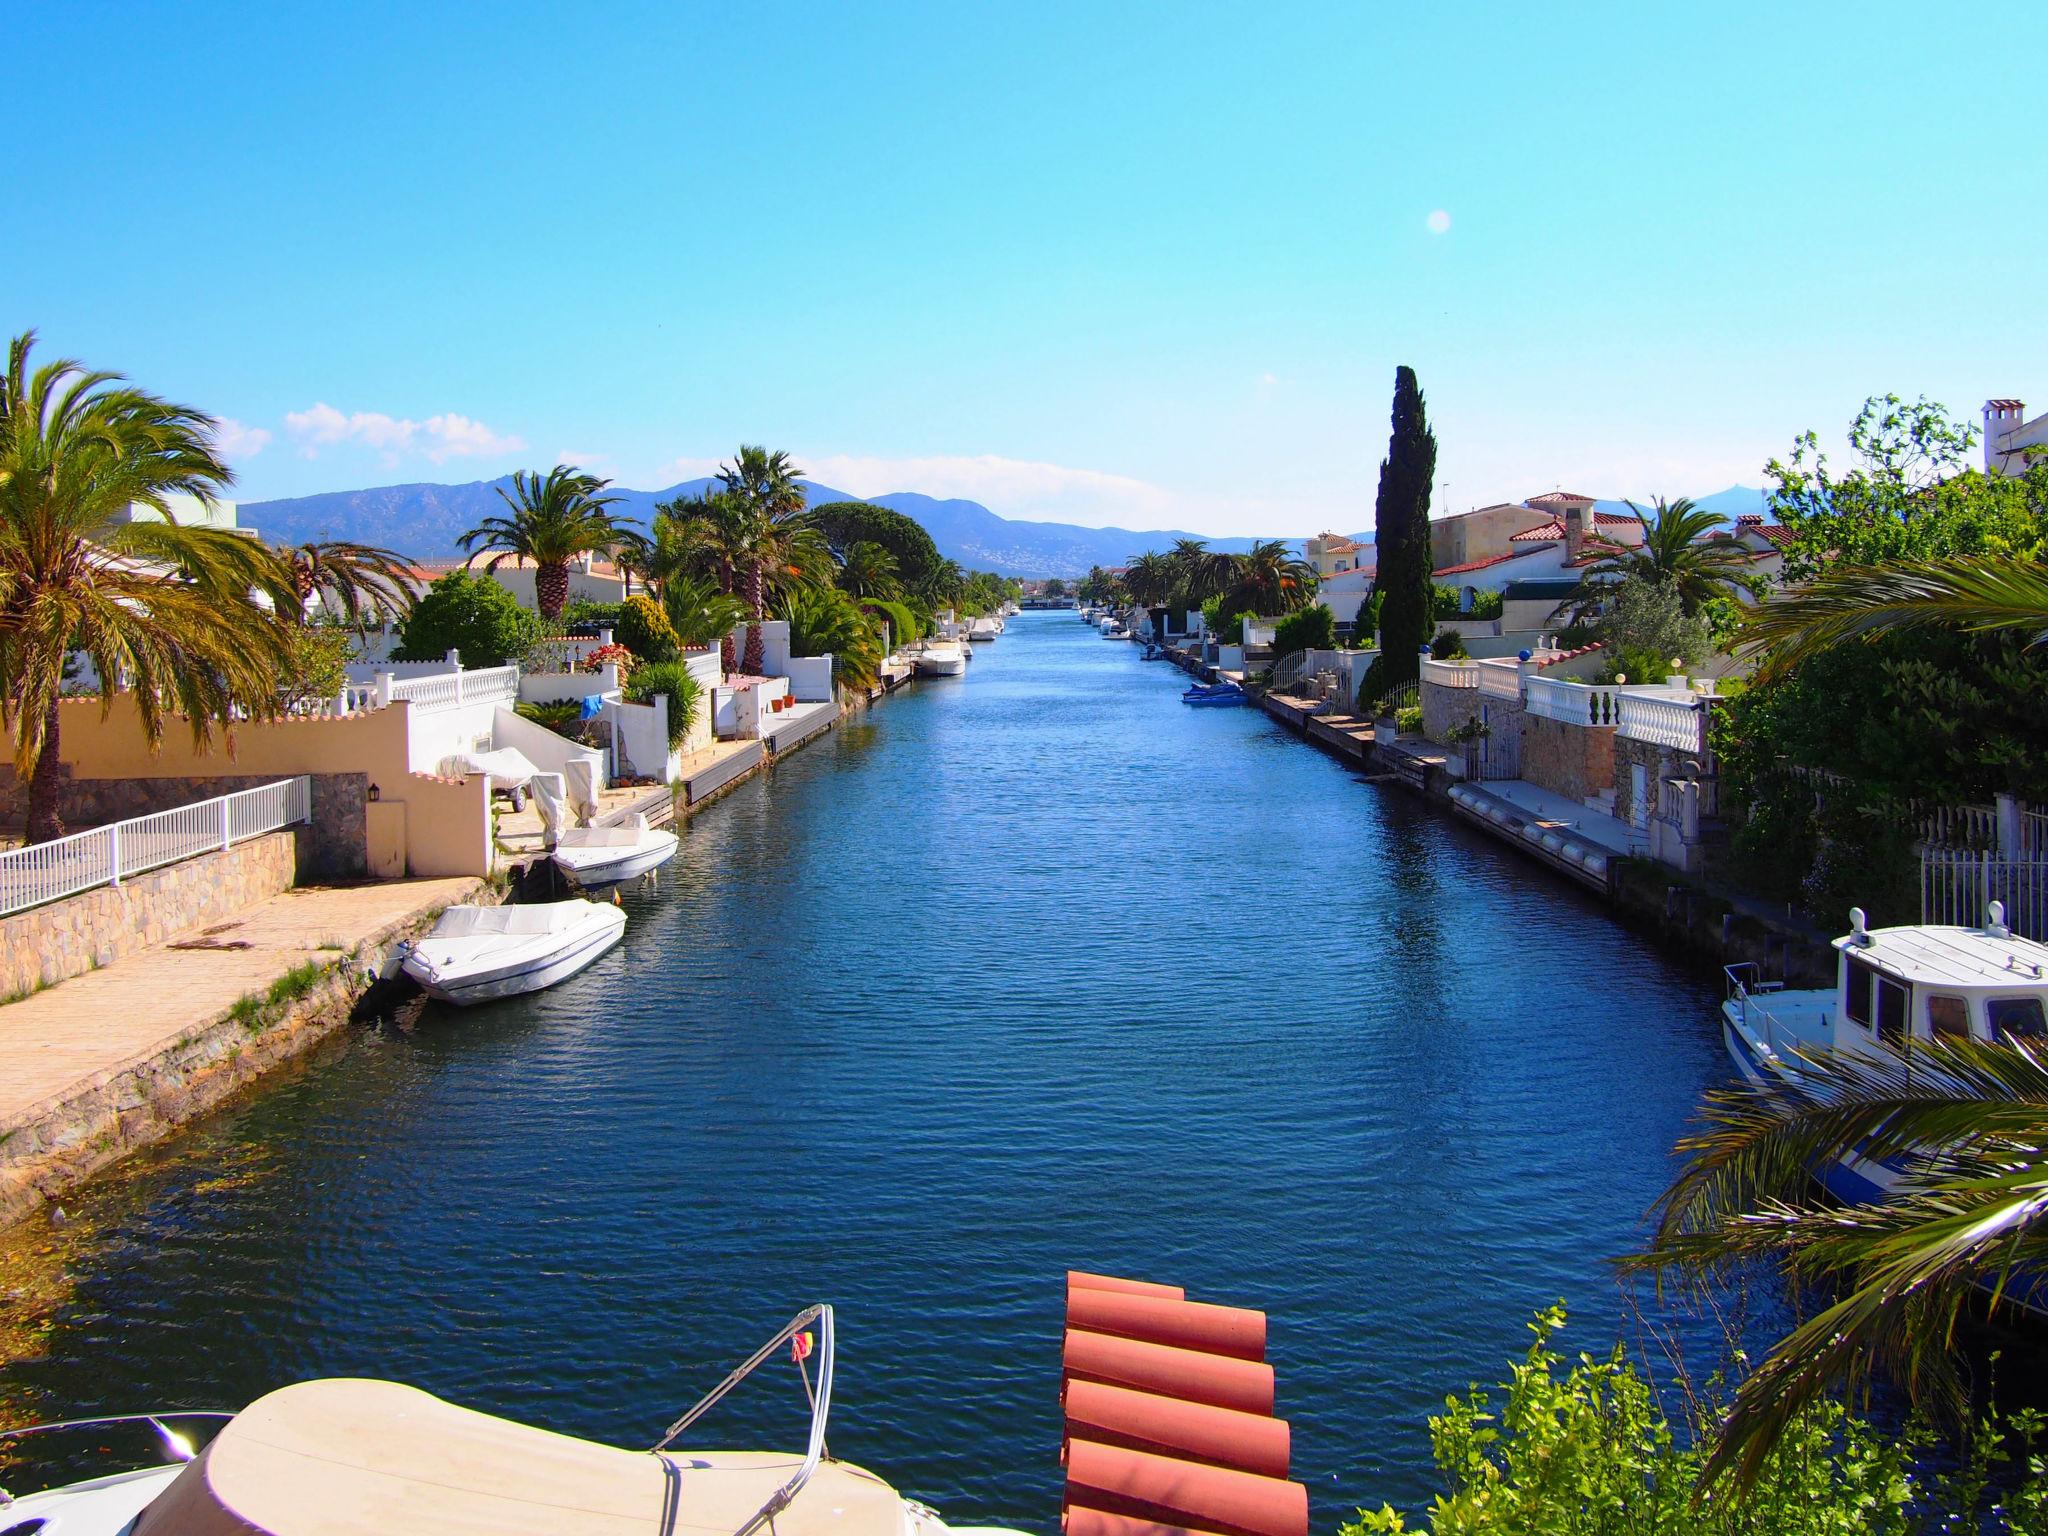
column 554, row 687
column 643, row 739
column 542, row 747
column 774, row 646
column 810, row 679
column 437, row 733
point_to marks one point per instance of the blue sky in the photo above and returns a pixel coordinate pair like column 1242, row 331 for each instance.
column 1148, row 265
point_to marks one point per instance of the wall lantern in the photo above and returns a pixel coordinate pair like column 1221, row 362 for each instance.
column 376, row 794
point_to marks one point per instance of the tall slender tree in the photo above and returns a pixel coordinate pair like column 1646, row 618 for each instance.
column 1401, row 537
column 553, row 520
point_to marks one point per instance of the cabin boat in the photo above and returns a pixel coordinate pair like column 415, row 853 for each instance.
column 353, row 1457
column 984, row 629
column 942, row 658
column 1213, row 695
column 1893, row 987
column 481, row 954
column 599, row 856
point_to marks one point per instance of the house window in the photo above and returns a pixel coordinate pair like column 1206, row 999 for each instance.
column 2020, row 1017
column 1948, row 1017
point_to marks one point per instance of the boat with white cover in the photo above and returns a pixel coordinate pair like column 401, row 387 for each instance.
column 480, row 954
column 942, row 658
column 1893, row 987
column 598, row 856
column 350, row 1457
column 983, row 629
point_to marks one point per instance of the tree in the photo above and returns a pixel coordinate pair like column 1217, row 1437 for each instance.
column 1646, row 629
column 468, row 614
column 1312, row 629
column 552, row 521
column 1149, row 578
column 867, row 569
column 174, row 614
column 699, row 612
column 353, row 581
column 1401, row 540
column 1978, row 595
column 1199, row 572
column 772, row 541
column 918, row 562
column 1683, row 547
column 824, row 621
column 1267, row 580
column 1054, row 588
column 643, row 628
column 1961, row 1223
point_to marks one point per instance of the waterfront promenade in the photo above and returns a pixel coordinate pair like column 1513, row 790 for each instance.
column 105, row 1062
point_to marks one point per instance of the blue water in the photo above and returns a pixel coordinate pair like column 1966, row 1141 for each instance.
column 1026, row 970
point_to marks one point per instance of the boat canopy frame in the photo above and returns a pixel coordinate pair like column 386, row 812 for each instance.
column 819, row 1313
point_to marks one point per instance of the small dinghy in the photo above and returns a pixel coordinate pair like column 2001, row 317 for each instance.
column 606, row 855
column 478, row 954
column 1212, row 695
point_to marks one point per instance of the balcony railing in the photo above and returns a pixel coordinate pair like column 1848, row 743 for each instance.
column 451, row 690
column 1583, row 704
column 1450, row 674
column 1500, row 680
column 108, row 855
column 1663, row 720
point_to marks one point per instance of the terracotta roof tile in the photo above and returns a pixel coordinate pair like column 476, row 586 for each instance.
column 1479, row 565
column 1560, row 499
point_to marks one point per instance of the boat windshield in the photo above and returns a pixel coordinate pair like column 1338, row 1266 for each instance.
column 2022, row 1018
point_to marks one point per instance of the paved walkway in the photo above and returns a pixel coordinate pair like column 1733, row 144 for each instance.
column 1610, row 832
column 56, row 1041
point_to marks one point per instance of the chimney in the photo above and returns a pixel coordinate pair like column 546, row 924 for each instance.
column 2000, row 417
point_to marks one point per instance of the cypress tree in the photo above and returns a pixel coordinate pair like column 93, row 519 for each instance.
column 1401, row 543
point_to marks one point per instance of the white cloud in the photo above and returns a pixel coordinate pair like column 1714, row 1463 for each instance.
column 233, row 440
column 1439, row 222
column 438, row 438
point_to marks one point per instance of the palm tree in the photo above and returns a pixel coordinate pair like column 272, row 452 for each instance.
column 1199, row 572
column 351, row 579
column 1266, row 579
column 553, row 521
column 1149, row 579
column 1963, row 1220
column 177, row 612
column 1683, row 545
column 633, row 554
column 1977, row 593
column 824, row 621
column 699, row 612
column 775, row 544
column 869, row 571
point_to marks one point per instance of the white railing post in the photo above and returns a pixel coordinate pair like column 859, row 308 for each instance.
column 114, row 854
column 384, row 683
column 227, row 833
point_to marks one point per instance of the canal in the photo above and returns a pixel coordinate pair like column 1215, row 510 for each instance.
column 1026, row 970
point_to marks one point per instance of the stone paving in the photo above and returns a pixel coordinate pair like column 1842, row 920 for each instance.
column 56, row 1042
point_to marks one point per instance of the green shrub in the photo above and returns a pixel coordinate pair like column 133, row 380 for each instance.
column 1448, row 645
column 826, row 622
column 1585, row 1446
column 582, row 613
column 643, row 628
column 1223, row 628
column 470, row 615
column 564, row 717
column 1450, row 604
column 1408, row 721
column 673, row 679
column 1311, row 629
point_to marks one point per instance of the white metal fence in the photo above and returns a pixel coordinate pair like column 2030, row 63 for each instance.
column 108, row 855
column 1958, row 885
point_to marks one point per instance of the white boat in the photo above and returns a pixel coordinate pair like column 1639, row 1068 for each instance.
column 983, row 629
column 479, row 954
column 942, row 658
column 1893, row 986
column 1111, row 630
column 607, row 855
column 352, row 1457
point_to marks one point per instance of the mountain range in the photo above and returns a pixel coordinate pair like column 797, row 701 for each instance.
column 424, row 521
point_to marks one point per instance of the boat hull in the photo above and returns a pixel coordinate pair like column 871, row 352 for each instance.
column 949, row 666
column 591, row 871
column 517, row 977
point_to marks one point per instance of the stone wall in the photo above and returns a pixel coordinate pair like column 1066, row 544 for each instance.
column 49, row 944
column 336, row 845
column 1627, row 755
column 1444, row 709
column 1572, row 760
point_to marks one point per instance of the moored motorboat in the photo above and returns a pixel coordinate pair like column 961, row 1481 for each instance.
column 1894, row 987
column 941, row 658
column 598, row 856
column 983, row 629
column 480, row 954
column 350, row 1457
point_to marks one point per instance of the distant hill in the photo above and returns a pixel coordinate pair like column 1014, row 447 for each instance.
column 424, row 521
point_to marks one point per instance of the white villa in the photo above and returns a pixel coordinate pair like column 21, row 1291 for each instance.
column 2008, row 436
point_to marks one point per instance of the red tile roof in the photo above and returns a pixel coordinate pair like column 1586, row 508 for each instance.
column 1560, row 499
column 2005, row 405
column 1169, row 1417
column 1480, row 565
column 1553, row 530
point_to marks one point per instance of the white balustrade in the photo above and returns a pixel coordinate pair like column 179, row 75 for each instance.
column 1664, row 720
column 451, row 690
column 107, row 855
column 1569, row 703
column 1450, row 674
column 1501, row 680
